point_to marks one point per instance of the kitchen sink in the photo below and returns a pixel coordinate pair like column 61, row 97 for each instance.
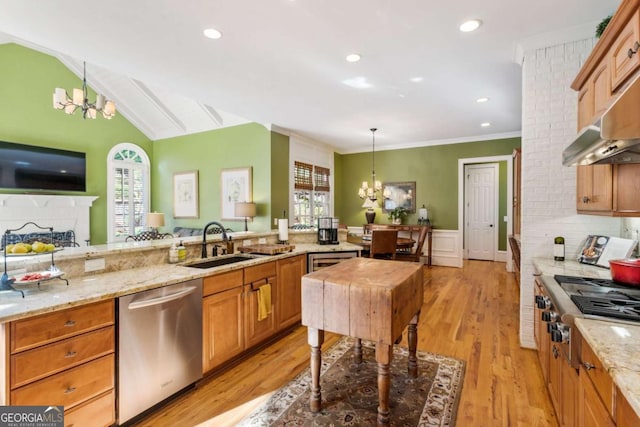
column 217, row 262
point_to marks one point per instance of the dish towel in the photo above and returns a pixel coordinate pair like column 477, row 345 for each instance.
column 264, row 301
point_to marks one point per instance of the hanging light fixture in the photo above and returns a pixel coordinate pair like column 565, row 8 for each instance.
column 366, row 190
column 80, row 99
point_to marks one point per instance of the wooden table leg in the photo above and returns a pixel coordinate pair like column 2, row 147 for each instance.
column 315, row 338
column 357, row 350
column 413, row 344
column 384, row 355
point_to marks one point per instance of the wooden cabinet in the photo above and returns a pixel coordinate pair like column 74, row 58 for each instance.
column 612, row 190
column 623, row 62
column 289, row 304
column 222, row 316
column 257, row 330
column 625, row 415
column 594, row 188
column 595, row 96
column 66, row 358
column 596, row 399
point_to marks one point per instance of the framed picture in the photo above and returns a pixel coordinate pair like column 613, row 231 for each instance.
column 399, row 194
column 235, row 187
column 185, row 194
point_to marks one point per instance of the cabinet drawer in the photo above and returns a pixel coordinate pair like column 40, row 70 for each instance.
column 261, row 271
column 71, row 387
column 221, row 282
column 99, row 411
column 599, row 377
column 40, row 362
column 46, row 328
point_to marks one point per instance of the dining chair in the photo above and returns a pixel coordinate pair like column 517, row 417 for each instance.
column 415, row 254
column 383, row 244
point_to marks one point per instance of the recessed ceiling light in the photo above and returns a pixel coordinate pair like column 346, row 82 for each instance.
column 353, row 57
column 485, row 124
column 358, row 83
column 212, row 33
column 416, row 79
column 481, row 100
column 470, row 25
column 402, row 95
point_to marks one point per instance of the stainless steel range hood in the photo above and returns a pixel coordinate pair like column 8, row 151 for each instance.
column 615, row 138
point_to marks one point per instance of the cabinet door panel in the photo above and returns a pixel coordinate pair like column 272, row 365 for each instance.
column 623, row 66
column 289, row 306
column 256, row 331
column 601, row 90
column 222, row 328
column 627, row 188
column 592, row 411
column 595, row 188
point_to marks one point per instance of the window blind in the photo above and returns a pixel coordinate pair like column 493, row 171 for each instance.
column 303, row 176
column 321, row 178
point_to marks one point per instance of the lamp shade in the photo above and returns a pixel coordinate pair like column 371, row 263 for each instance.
column 155, row 219
column 368, row 203
column 245, row 209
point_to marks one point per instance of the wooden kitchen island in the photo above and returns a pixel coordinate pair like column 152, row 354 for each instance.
column 367, row 299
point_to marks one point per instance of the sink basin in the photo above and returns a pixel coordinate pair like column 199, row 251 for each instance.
column 217, row 262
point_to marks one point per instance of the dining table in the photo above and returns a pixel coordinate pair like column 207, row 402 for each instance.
column 403, row 243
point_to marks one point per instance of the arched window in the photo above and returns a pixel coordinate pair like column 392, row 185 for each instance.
column 128, row 191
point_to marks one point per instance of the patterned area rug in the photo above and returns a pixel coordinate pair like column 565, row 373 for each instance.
column 350, row 392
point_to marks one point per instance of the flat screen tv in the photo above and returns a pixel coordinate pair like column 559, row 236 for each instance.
column 28, row 167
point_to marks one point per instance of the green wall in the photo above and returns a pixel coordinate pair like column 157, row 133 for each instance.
column 27, row 81
column 435, row 170
column 209, row 153
column 279, row 175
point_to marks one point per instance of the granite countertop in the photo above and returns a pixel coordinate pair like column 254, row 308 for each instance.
column 617, row 345
column 55, row 295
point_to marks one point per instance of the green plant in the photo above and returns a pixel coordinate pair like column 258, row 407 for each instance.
column 602, row 25
column 398, row 213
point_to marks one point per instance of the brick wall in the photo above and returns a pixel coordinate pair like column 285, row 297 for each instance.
column 549, row 120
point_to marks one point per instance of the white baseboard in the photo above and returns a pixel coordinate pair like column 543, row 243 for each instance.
column 501, row 256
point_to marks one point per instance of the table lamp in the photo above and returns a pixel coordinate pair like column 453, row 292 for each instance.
column 423, row 215
column 155, row 220
column 247, row 210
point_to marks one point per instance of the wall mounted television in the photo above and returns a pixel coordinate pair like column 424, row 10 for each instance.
column 28, row 167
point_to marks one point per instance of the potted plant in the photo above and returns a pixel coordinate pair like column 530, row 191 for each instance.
column 398, row 214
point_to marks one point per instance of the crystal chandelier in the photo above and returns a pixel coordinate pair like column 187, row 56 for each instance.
column 80, row 99
column 366, row 190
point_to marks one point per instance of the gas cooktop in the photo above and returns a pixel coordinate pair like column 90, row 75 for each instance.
column 602, row 297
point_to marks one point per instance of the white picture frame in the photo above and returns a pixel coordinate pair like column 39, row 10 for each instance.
column 185, row 195
column 235, row 186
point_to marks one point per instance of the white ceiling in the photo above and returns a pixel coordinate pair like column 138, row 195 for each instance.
column 281, row 62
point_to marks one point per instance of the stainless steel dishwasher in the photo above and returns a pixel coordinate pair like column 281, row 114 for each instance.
column 159, row 345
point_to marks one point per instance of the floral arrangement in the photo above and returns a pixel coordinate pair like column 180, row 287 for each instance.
column 398, row 214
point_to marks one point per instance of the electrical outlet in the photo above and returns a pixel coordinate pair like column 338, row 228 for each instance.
column 506, row 219
column 275, row 221
column 262, row 241
column 94, row 265
column 247, row 242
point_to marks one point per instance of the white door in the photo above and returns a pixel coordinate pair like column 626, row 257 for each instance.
column 481, row 229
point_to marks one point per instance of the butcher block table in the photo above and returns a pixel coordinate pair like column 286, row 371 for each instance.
column 367, row 299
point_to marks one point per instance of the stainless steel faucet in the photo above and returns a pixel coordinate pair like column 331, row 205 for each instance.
column 204, row 236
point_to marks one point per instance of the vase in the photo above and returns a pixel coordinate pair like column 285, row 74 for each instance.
column 370, row 215
column 396, row 221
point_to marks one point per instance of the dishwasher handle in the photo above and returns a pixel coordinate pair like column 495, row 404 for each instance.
column 161, row 300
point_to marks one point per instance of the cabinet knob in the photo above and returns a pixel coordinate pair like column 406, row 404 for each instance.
column 633, row 50
column 70, row 323
column 588, row 366
column 69, row 390
column 585, row 199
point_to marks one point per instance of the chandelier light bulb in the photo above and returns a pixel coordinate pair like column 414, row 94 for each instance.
column 80, row 99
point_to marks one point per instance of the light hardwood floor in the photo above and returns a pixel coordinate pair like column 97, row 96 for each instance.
column 469, row 313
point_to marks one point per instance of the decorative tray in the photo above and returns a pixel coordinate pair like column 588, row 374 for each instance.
column 30, row 253
column 36, row 277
